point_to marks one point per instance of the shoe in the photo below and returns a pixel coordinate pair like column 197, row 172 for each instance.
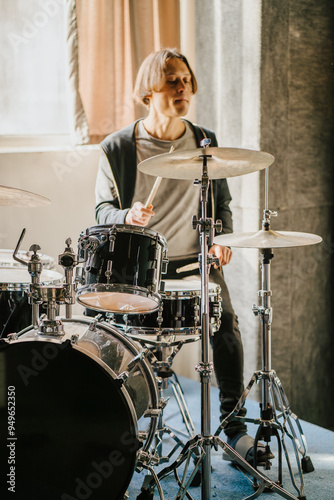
column 244, row 445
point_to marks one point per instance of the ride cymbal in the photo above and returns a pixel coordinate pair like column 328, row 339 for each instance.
column 222, row 163
column 13, row 197
column 267, row 239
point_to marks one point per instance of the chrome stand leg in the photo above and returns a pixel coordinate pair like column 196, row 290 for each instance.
column 179, row 397
column 163, row 429
column 276, row 415
column 197, row 446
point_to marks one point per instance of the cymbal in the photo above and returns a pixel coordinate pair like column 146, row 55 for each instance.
column 222, row 163
column 267, row 239
column 13, row 197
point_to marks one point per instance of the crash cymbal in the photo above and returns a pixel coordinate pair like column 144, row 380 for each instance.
column 267, row 239
column 13, row 197
column 223, row 163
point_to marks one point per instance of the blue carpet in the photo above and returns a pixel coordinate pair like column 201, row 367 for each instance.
column 227, row 481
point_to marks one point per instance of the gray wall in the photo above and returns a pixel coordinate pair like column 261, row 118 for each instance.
column 297, row 125
column 294, row 95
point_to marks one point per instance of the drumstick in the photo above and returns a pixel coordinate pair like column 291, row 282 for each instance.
column 155, row 187
column 153, row 191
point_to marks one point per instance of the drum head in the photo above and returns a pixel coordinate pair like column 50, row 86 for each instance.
column 7, row 259
column 67, row 429
column 118, row 298
column 20, row 278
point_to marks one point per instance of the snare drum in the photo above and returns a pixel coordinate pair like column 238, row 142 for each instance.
column 15, row 311
column 180, row 312
column 123, row 267
column 84, row 406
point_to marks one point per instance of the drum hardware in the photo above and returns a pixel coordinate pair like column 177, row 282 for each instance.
column 221, row 163
column 34, row 268
column 276, row 414
column 69, row 260
column 147, row 462
column 53, row 296
column 161, row 362
column 133, row 364
column 16, row 275
column 163, row 347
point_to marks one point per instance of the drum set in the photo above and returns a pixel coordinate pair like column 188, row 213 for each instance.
column 89, row 390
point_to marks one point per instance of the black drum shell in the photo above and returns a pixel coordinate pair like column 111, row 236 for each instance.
column 126, row 259
column 180, row 310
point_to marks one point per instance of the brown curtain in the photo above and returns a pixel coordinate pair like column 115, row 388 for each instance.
column 114, row 37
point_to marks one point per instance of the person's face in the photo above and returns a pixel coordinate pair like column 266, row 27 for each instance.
column 174, row 97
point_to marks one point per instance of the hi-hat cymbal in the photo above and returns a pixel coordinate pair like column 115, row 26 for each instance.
column 13, row 197
column 267, row 239
column 222, row 163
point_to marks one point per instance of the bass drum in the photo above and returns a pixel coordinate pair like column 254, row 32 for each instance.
column 72, row 412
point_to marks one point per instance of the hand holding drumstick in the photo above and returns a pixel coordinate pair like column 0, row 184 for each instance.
column 139, row 214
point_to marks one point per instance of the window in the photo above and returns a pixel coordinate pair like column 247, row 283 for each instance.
column 33, row 63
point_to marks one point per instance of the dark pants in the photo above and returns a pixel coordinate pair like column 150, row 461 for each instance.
column 228, row 357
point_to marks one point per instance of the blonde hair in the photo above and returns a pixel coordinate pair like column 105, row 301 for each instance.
column 151, row 73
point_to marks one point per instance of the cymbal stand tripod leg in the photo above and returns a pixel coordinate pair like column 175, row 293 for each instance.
column 181, row 402
column 276, row 414
column 163, row 428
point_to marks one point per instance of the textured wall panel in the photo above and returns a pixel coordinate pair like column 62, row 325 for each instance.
column 297, row 97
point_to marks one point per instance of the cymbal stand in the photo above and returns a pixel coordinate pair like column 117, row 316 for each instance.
column 35, row 267
column 205, row 367
column 164, row 347
column 276, row 414
column 162, row 367
column 201, row 445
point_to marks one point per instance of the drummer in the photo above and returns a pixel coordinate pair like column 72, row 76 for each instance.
column 165, row 85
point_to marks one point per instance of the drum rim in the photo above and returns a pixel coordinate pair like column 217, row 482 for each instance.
column 127, row 228
column 120, row 288
column 214, row 289
column 151, row 330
